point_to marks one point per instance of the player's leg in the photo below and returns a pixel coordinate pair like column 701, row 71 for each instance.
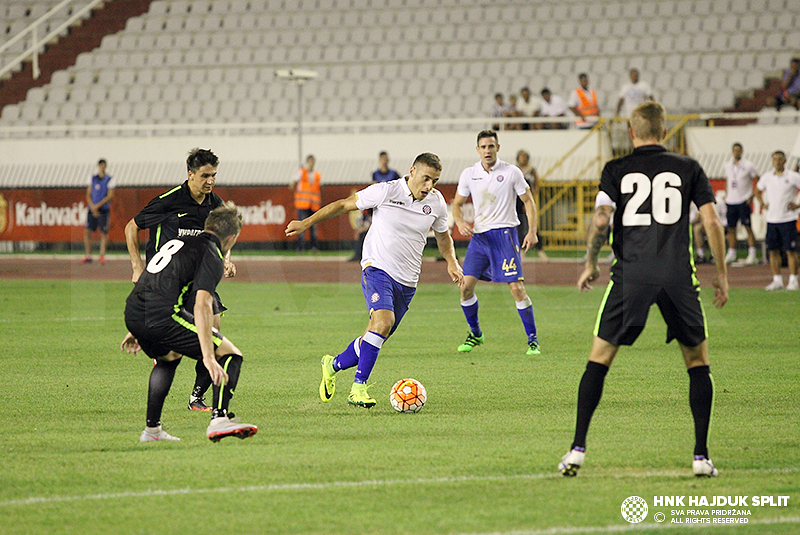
column 751, row 239
column 313, row 232
column 476, row 266
column 202, row 379
column 161, row 377
column 733, row 220
column 87, row 243
column 103, row 227
column 790, row 243
column 525, row 310
column 221, row 426
column 773, row 242
column 301, row 238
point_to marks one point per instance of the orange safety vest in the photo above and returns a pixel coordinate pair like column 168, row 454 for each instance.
column 307, row 194
column 588, row 106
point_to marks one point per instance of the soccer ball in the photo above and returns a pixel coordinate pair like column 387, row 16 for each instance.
column 408, row 395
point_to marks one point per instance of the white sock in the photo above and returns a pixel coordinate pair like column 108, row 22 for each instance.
column 778, row 279
column 792, row 278
column 751, row 251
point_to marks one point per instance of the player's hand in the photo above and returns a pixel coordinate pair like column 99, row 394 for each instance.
column 294, row 228
column 130, row 344
column 218, row 375
column 529, row 240
column 456, row 274
column 137, row 272
column 230, row 269
column 720, row 291
column 793, row 206
column 465, row 229
column 590, row 274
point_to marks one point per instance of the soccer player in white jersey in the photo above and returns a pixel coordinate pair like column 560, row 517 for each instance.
column 493, row 252
column 404, row 211
column 776, row 191
column 739, row 176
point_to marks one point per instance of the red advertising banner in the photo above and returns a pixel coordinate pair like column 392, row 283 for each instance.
column 59, row 215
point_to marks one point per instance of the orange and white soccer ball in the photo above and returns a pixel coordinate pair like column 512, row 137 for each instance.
column 408, row 395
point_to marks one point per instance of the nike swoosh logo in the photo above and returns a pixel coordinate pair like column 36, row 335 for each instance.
column 181, row 215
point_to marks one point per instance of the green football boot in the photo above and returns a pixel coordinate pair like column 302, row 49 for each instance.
column 534, row 348
column 470, row 342
column 328, row 384
column 359, row 397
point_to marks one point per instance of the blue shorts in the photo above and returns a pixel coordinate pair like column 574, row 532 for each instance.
column 738, row 212
column 382, row 292
column 100, row 222
column 494, row 256
column 781, row 236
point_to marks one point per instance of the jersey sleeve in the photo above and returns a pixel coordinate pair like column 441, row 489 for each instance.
column 761, row 185
column 463, row 182
column 156, row 211
column 209, row 272
column 440, row 223
column 520, row 184
column 608, row 184
column 702, row 192
column 372, row 196
column 216, row 201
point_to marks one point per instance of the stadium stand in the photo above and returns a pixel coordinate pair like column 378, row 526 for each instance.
column 404, row 59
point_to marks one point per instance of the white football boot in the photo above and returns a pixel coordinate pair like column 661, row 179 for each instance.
column 704, row 468
column 776, row 284
column 223, row 426
column 571, row 462
column 154, row 434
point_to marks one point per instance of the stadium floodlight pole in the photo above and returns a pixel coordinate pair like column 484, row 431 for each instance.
column 299, row 77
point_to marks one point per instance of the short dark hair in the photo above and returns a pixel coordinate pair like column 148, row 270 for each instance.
column 737, row 144
column 101, row 161
column 224, row 220
column 545, row 90
column 526, row 88
column 498, row 95
column 200, row 157
column 779, row 152
column 383, row 153
column 429, row 159
column 582, row 75
column 487, row 133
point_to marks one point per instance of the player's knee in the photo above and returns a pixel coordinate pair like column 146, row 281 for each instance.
column 227, row 348
column 518, row 291
column 171, row 356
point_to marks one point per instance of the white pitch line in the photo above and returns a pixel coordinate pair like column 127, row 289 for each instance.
column 283, row 487
column 624, row 528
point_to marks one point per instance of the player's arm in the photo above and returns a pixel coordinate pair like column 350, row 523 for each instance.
column 230, row 267
column 132, row 241
column 599, row 229
column 329, row 211
column 444, row 241
column 92, row 206
column 760, row 198
column 458, row 216
column 530, row 238
column 203, row 320
column 107, row 198
column 715, row 234
column 619, row 105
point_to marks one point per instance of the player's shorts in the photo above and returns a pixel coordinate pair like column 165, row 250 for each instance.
column 218, row 307
column 177, row 334
column 494, row 256
column 781, row 236
column 382, row 292
column 738, row 212
column 100, row 221
column 623, row 312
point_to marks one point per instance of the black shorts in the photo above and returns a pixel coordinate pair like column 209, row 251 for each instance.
column 738, row 212
column 781, row 236
column 623, row 312
column 101, row 222
column 177, row 334
column 218, row 307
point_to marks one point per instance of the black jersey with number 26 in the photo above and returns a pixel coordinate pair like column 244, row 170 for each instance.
column 173, row 277
column 651, row 236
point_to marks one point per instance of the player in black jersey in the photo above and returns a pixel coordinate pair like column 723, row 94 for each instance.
column 649, row 193
column 181, row 212
column 169, row 313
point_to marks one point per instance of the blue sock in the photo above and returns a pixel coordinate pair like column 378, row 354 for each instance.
column 370, row 346
column 470, row 308
column 525, row 310
column 349, row 357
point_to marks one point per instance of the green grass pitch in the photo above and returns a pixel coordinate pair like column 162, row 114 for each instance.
column 479, row 458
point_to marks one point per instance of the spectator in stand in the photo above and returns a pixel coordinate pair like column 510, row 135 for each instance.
column 512, row 111
column 553, row 106
column 528, row 106
column 384, row 173
column 776, row 192
column 98, row 197
column 532, row 178
column 739, row 177
column 790, row 86
column 583, row 103
column 307, row 199
column 633, row 94
column 499, row 109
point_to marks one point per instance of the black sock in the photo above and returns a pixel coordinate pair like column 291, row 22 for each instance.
column 202, row 381
column 589, row 393
column 160, row 382
column 233, row 365
column 701, row 400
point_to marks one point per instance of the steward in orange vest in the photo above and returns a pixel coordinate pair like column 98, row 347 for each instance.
column 307, row 190
column 583, row 103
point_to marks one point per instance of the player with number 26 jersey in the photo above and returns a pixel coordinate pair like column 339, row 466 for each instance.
column 652, row 189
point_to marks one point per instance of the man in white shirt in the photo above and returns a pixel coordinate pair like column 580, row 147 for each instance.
column 553, row 106
column 528, row 106
column 740, row 175
column 633, row 94
column 494, row 252
column 780, row 188
column 404, row 211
